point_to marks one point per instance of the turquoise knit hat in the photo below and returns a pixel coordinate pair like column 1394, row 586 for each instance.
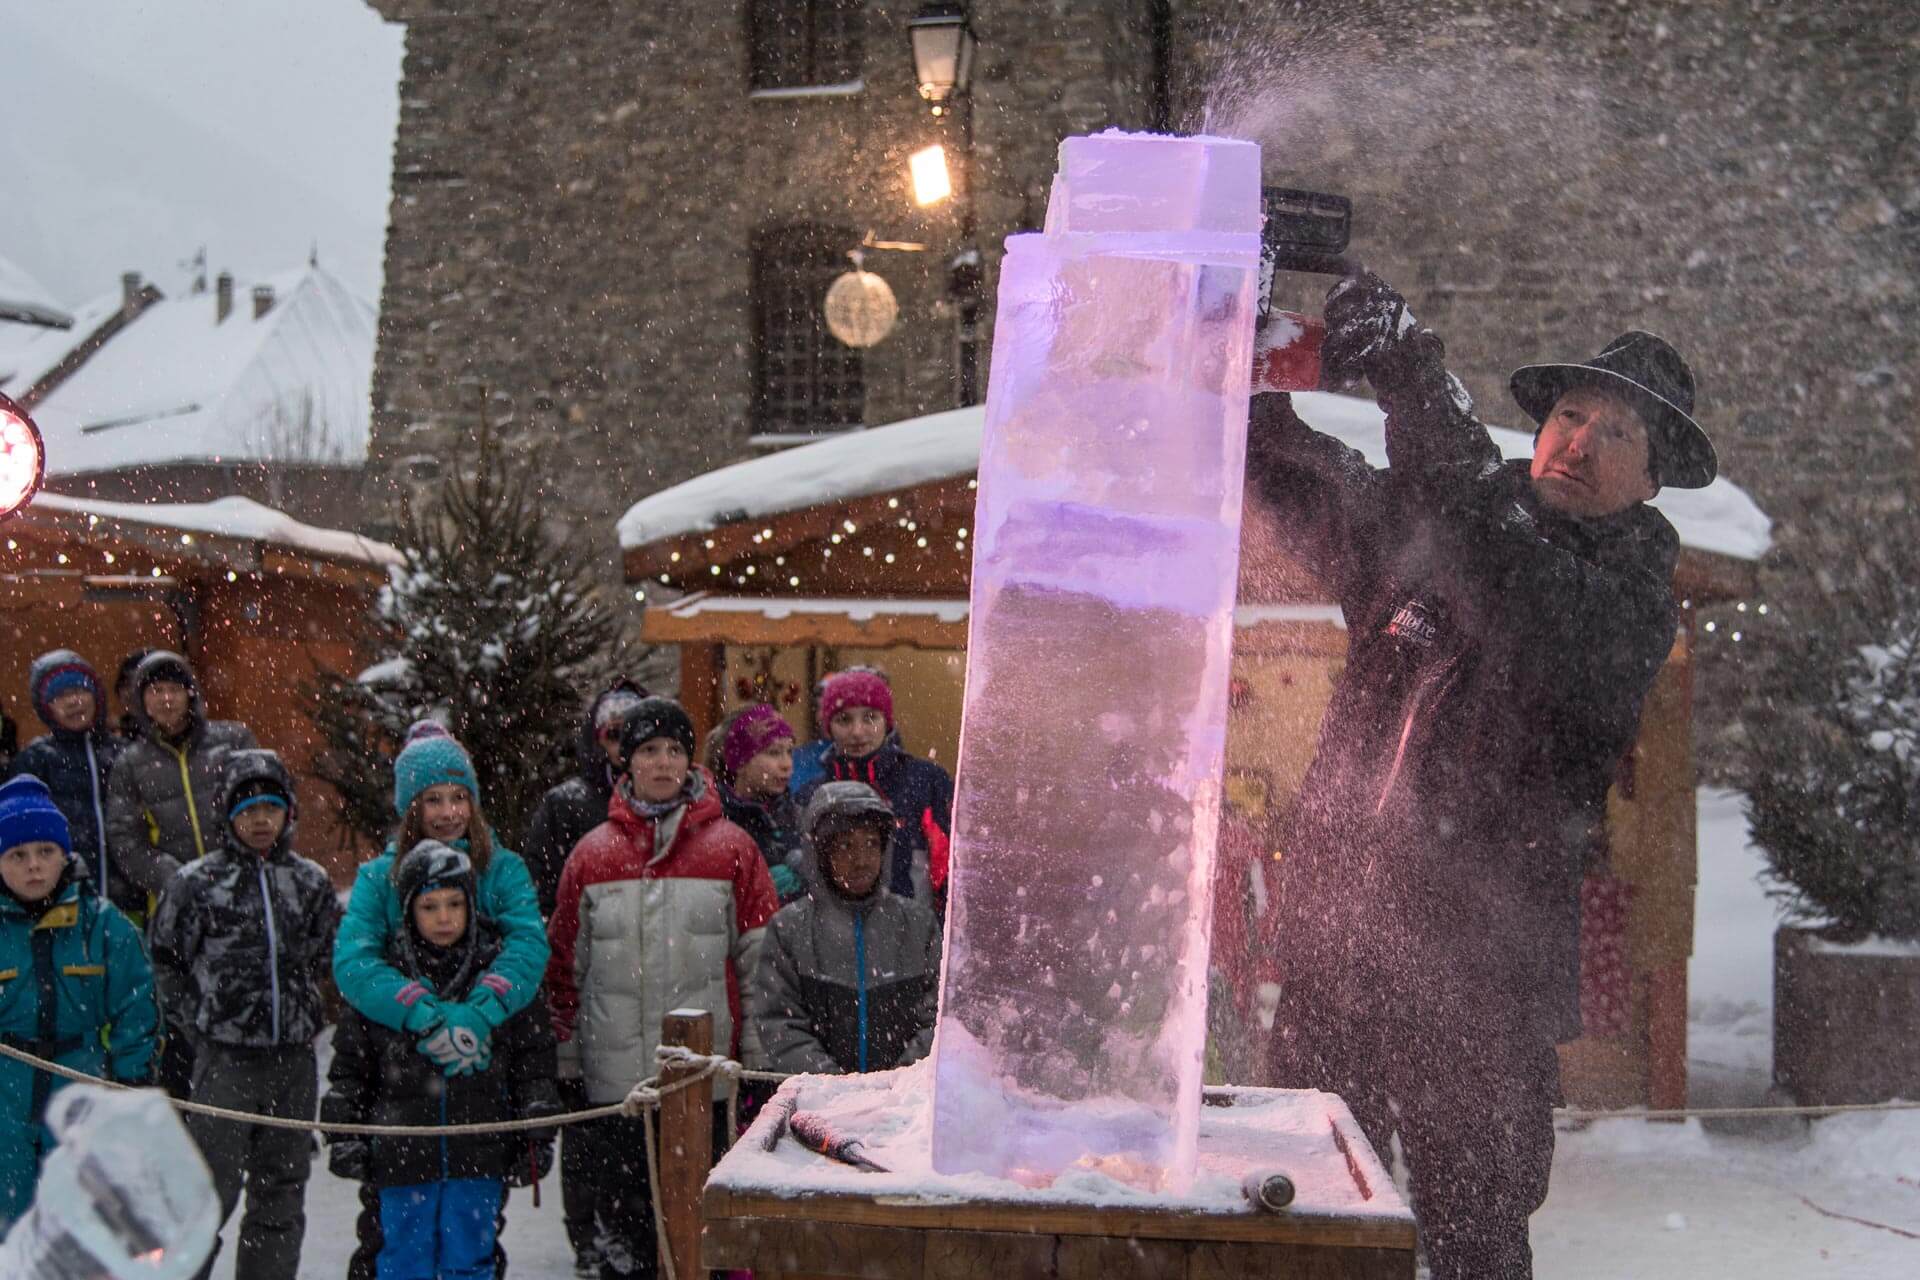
column 430, row 758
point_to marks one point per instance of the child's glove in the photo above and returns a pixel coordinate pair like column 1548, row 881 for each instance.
column 457, row 1049
column 352, row 1159
column 486, row 1005
column 535, row 1162
column 786, row 882
column 423, row 1015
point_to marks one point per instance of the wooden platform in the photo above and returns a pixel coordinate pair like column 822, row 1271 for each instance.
column 811, row 1217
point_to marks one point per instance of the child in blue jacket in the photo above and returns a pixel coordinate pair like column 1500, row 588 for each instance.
column 75, row 985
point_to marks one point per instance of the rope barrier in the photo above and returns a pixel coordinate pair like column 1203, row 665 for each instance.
column 646, row 1096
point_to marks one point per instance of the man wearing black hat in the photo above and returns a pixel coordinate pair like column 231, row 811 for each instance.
column 1506, row 622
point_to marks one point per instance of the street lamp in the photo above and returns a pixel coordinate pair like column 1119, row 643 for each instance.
column 943, row 49
column 23, row 458
column 943, row 46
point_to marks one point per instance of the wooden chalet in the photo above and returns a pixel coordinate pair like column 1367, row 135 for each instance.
column 254, row 600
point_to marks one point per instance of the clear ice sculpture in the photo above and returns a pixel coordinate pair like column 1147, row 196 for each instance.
column 1073, row 1000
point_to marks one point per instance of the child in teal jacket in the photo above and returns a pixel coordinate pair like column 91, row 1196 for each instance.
column 75, row 985
column 437, row 795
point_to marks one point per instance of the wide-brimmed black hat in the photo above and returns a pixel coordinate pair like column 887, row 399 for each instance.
column 1646, row 372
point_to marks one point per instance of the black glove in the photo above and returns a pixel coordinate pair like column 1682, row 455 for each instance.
column 1366, row 318
column 534, row 1160
column 352, row 1159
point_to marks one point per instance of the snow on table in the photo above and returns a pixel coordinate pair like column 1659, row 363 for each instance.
column 1242, row 1131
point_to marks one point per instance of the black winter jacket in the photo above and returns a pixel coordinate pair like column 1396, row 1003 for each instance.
column 918, row 790
column 775, row 828
column 75, row 767
column 162, row 798
column 1499, row 655
column 572, row 808
column 242, row 942
column 378, row 1076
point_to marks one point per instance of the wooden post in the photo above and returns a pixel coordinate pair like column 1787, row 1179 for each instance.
column 686, row 1142
column 703, row 667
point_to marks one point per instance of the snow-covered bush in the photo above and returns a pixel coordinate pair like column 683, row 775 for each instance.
column 490, row 628
column 1833, row 758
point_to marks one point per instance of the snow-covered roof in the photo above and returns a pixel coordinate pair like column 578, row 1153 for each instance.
column 174, row 385
column 1721, row 518
column 25, row 307
column 238, row 518
column 868, row 608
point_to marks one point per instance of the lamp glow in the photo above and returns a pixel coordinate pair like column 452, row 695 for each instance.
column 930, row 181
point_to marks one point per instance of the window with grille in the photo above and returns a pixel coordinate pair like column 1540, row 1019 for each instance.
column 805, row 379
column 799, row 44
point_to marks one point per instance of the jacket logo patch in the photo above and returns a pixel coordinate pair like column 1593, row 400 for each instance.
column 1414, row 622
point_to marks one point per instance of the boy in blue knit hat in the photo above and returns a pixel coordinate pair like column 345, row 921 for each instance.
column 75, row 986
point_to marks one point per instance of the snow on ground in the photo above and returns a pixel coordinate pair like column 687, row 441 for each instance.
column 1630, row 1200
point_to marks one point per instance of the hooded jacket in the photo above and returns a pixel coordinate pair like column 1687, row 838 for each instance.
column 574, row 807
column 75, row 987
column 920, row 793
column 379, row 1076
column 163, row 796
column 654, row 916
column 845, row 984
column 75, row 766
column 1499, row 655
column 241, row 940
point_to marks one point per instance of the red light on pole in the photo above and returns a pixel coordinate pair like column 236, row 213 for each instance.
column 23, row 458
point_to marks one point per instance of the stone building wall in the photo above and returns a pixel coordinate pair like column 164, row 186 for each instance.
column 578, row 184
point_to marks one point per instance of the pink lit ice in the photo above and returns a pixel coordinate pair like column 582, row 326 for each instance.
column 1073, row 1005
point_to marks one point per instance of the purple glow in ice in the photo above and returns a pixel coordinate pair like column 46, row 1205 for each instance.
column 1073, row 1005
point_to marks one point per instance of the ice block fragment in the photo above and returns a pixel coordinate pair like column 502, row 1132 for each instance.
column 1073, row 1000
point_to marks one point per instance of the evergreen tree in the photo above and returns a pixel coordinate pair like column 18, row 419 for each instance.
column 491, row 628
column 1832, row 761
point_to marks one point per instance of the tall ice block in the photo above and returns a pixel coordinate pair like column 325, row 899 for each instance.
column 1073, row 1004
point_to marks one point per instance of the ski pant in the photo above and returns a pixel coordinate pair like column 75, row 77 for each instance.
column 370, row 1236
column 629, row 1236
column 272, row 1163
column 174, row 1069
column 579, row 1193
column 1463, row 1077
column 439, row 1230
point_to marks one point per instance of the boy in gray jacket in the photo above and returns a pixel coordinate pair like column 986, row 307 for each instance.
column 849, row 977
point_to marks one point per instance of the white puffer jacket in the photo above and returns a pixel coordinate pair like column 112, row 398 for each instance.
column 652, row 917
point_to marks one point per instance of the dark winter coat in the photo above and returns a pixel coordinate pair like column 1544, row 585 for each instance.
column 163, row 795
column 75, row 987
column 1499, row 654
column 75, row 767
column 378, row 1076
column 775, row 827
column 845, row 984
column 572, row 808
column 242, row 941
column 921, row 793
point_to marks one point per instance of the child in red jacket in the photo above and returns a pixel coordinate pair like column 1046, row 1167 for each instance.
column 662, row 906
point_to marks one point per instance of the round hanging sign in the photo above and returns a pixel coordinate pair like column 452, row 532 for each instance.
column 860, row 308
column 23, row 459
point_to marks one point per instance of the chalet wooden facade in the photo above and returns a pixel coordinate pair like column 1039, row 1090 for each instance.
column 255, row 601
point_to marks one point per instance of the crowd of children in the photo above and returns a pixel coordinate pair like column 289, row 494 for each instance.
column 804, row 915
